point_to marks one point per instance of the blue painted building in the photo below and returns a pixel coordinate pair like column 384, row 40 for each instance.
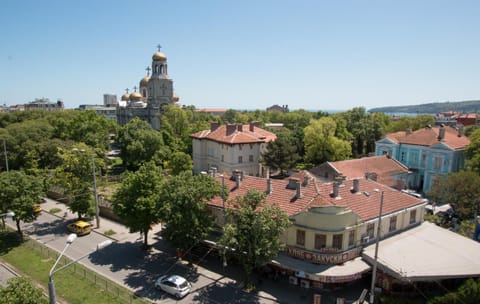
column 428, row 153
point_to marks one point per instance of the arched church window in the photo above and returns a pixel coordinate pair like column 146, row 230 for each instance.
column 156, row 69
column 161, row 69
column 144, row 93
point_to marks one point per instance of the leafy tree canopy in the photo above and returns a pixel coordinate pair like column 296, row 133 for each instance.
column 21, row 291
column 280, row 154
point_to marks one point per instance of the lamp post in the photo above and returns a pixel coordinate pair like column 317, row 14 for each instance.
column 70, row 239
column 97, row 209
column 374, row 270
column 4, row 215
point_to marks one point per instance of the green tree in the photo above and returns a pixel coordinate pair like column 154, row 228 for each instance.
column 137, row 201
column 140, row 143
column 19, row 193
column 322, row 145
column 255, row 230
column 179, row 162
column 467, row 293
column 21, row 291
column 472, row 152
column 280, row 154
column 460, row 190
column 187, row 218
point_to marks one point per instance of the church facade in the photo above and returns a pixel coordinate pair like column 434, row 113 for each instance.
column 153, row 93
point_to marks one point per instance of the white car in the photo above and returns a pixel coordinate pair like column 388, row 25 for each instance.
column 174, row 285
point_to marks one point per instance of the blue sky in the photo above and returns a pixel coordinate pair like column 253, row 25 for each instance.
column 249, row 54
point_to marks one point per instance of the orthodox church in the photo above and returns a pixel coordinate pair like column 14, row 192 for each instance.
column 154, row 92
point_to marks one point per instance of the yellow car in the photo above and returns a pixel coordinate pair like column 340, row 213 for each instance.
column 80, row 227
column 37, row 209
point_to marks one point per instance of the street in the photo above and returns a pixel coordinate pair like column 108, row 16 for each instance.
column 125, row 263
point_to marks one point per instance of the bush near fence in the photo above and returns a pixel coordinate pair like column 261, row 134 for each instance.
column 115, row 289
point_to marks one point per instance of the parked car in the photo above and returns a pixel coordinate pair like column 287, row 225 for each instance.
column 37, row 209
column 80, row 227
column 174, row 284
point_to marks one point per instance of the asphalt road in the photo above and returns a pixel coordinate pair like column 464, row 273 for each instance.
column 126, row 264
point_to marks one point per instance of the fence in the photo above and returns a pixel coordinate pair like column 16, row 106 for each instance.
column 116, row 290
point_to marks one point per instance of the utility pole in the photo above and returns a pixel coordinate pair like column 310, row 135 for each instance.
column 97, row 209
column 374, row 270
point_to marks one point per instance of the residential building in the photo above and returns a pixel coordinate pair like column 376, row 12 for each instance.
column 107, row 111
column 44, row 104
column 230, row 147
column 110, row 100
column 154, row 92
column 277, row 108
column 331, row 222
column 428, row 152
column 382, row 168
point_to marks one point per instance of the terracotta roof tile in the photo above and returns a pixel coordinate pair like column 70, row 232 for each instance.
column 429, row 136
column 365, row 203
column 236, row 134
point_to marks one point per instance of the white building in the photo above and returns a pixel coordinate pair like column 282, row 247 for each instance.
column 230, row 147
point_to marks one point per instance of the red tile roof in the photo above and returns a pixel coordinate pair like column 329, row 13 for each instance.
column 365, row 202
column 236, row 134
column 429, row 136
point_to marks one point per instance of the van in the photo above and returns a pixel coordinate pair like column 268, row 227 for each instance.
column 80, row 227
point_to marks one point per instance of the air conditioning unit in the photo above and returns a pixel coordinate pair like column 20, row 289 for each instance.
column 365, row 239
column 305, row 284
column 293, row 280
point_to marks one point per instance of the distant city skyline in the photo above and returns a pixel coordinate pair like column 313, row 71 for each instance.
column 312, row 55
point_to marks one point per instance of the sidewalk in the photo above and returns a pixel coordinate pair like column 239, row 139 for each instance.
column 121, row 232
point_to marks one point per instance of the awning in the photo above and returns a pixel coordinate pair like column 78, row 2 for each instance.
column 349, row 271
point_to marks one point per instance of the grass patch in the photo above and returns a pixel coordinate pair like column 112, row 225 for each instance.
column 71, row 286
column 109, row 232
column 54, row 210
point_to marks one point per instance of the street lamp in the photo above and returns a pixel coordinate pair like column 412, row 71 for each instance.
column 70, row 239
column 4, row 215
column 374, row 270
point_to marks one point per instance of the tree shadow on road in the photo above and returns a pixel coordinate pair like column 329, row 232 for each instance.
column 224, row 293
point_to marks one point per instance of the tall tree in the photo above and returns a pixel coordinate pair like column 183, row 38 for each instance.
column 460, row 190
column 322, row 145
column 140, row 143
column 187, row 218
column 21, row 290
column 179, row 162
column 138, row 201
column 472, row 152
column 280, row 154
column 255, row 230
column 20, row 193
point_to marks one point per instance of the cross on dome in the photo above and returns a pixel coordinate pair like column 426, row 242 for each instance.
column 159, row 47
column 135, row 88
column 148, row 69
column 126, row 90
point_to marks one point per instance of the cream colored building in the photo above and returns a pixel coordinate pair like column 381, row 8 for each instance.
column 230, row 147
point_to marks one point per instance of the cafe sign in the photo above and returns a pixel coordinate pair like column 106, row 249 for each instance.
column 323, row 258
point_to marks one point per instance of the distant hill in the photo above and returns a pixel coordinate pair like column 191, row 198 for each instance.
column 468, row 106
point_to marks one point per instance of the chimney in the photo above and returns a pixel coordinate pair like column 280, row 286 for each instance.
column 460, row 130
column 213, row 126
column 269, row 186
column 237, row 179
column 231, row 129
column 336, row 185
column 292, row 183
column 253, row 124
column 408, row 131
column 441, row 132
column 356, row 185
column 298, row 188
column 240, row 128
column 305, row 180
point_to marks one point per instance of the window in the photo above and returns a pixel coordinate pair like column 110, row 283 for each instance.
column 370, row 230
column 424, row 157
column 337, row 241
column 393, row 224
column 351, row 238
column 240, row 147
column 413, row 216
column 240, row 159
column 301, row 237
column 250, row 158
column 402, row 156
column 438, row 163
column 222, row 158
column 251, row 146
column 320, row 241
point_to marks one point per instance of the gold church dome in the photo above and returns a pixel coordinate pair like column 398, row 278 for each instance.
column 144, row 81
column 135, row 96
column 125, row 97
column 159, row 56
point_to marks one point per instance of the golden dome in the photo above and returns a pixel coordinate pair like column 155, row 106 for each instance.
column 135, row 96
column 125, row 96
column 144, row 81
column 159, row 56
column 175, row 97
